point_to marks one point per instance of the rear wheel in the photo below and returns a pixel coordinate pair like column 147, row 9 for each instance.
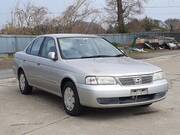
column 71, row 100
column 24, row 87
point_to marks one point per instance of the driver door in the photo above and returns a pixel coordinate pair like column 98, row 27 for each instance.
column 48, row 68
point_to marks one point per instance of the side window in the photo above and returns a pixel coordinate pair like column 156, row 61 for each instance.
column 36, row 46
column 48, row 46
column 28, row 50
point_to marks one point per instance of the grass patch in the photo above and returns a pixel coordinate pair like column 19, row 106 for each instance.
column 134, row 54
column 8, row 58
column 138, row 55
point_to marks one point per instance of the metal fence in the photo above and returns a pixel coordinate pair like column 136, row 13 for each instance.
column 12, row 43
column 122, row 39
column 125, row 39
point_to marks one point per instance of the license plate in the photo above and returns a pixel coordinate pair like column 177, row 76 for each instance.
column 139, row 92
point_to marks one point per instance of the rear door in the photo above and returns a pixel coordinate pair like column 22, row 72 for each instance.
column 32, row 61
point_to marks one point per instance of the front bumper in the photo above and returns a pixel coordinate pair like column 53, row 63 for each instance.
column 90, row 94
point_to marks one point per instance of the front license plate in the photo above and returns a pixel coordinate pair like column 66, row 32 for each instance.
column 138, row 92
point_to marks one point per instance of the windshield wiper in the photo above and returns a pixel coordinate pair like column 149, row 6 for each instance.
column 96, row 56
column 102, row 56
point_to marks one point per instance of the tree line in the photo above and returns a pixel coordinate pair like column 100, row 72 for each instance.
column 118, row 16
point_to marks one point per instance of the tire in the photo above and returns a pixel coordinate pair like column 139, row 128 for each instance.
column 71, row 101
column 24, row 87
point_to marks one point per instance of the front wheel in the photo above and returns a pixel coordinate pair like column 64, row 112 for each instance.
column 71, row 100
column 24, row 87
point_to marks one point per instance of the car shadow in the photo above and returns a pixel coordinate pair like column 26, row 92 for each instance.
column 47, row 97
column 96, row 114
column 113, row 113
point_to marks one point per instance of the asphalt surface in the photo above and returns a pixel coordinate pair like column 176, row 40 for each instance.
column 6, row 73
column 42, row 113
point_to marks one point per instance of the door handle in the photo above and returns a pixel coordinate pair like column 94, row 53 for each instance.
column 38, row 64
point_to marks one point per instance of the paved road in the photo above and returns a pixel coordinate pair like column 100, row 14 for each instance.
column 7, row 73
column 42, row 113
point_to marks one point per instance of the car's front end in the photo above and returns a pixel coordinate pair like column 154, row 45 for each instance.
column 106, row 78
column 103, row 92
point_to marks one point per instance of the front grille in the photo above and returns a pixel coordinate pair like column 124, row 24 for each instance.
column 136, row 80
column 131, row 99
column 147, row 79
column 127, row 81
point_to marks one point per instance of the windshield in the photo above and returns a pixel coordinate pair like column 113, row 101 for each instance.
column 79, row 48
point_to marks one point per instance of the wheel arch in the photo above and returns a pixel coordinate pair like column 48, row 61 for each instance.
column 64, row 81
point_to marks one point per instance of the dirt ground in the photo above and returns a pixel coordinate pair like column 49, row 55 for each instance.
column 6, row 63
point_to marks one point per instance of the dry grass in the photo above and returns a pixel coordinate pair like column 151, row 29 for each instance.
column 152, row 54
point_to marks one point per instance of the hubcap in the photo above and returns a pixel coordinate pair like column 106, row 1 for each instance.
column 69, row 99
column 22, row 81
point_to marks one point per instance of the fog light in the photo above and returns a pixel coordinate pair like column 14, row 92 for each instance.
column 108, row 100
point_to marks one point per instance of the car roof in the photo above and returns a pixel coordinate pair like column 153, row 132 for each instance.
column 67, row 35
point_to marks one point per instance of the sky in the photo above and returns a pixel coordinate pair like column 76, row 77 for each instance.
column 157, row 9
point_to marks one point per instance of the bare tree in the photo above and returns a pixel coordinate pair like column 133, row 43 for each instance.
column 122, row 10
column 29, row 15
column 78, row 17
column 173, row 25
column 79, row 11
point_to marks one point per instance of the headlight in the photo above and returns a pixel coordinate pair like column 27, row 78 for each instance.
column 158, row 76
column 100, row 81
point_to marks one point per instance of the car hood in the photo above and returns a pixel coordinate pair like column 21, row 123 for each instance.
column 120, row 66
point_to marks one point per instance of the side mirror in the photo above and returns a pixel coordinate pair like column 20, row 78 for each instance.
column 52, row 56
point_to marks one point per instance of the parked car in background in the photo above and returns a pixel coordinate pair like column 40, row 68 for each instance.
column 86, row 70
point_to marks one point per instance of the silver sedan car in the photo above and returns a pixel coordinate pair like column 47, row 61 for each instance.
column 86, row 70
